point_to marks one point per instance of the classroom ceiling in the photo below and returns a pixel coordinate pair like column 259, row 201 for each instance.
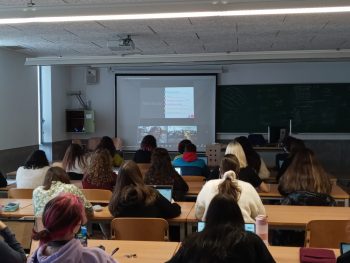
column 174, row 36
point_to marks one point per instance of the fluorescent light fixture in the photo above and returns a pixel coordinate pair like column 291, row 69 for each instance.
column 167, row 15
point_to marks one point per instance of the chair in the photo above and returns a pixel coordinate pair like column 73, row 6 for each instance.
column 20, row 193
column 97, row 195
column 144, row 167
column 193, row 178
column 327, row 233
column 143, row 229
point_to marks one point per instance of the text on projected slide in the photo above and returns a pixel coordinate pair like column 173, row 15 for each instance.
column 179, row 102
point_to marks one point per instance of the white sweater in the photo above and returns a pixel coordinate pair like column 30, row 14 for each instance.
column 249, row 200
column 30, row 178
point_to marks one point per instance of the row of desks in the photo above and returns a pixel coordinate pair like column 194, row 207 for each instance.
column 279, row 216
column 337, row 192
column 157, row 252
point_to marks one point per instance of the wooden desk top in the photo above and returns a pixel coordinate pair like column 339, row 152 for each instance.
column 146, row 251
column 289, row 254
column 194, row 187
column 299, row 216
column 25, row 208
column 186, row 208
column 337, row 192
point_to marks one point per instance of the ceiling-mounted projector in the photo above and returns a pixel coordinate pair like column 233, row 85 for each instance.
column 123, row 44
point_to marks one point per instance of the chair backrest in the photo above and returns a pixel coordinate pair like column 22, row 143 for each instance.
column 139, row 228
column 144, row 167
column 23, row 230
column 193, row 178
column 21, row 193
column 97, row 195
column 327, row 233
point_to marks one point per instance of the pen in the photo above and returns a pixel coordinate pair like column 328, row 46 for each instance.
column 115, row 251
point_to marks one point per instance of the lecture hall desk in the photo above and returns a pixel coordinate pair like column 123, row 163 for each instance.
column 337, row 193
column 25, row 208
column 291, row 217
column 159, row 252
column 146, row 251
column 181, row 220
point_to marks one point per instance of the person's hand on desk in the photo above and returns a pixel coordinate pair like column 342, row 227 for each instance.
column 2, row 225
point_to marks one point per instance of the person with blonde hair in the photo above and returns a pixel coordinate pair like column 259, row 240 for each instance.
column 246, row 173
column 99, row 174
column 243, row 193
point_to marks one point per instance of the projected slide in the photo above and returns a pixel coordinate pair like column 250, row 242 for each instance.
column 179, row 102
column 178, row 133
column 168, row 134
column 159, row 132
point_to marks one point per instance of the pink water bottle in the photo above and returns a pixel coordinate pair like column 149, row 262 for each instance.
column 262, row 228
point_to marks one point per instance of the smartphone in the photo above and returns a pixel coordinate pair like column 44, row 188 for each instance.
column 11, row 207
column 344, row 247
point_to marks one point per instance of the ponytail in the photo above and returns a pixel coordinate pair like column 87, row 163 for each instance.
column 44, row 235
column 229, row 186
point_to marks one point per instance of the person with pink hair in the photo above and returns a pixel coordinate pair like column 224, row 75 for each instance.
column 62, row 219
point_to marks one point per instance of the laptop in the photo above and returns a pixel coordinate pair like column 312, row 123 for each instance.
column 165, row 190
column 344, row 247
column 247, row 226
column 178, row 170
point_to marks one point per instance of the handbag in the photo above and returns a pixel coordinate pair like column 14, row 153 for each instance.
column 317, row 255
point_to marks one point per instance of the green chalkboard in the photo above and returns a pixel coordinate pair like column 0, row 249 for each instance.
column 313, row 108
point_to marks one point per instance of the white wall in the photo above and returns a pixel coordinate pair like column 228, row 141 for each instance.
column 18, row 102
column 60, row 84
column 101, row 98
column 102, row 95
column 286, row 73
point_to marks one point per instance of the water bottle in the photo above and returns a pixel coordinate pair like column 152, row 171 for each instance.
column 262, row 228
column 82, row 236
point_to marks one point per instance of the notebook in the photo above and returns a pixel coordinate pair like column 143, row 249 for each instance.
column 247, row 226
column 165, row 190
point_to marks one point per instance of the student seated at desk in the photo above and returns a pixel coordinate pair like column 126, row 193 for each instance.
column 11, row 250
column 56, row 182
column 223, row 238
column 253, row 158
column 33, row 172
column 190, row 164
column 99, row 174
column 62, row 219
column 108, row 144
column 162, row 172
column 181, row 148
column 75, row 162
column 246, row 173
column 306, row 174
column 132, row 198
column 148, row 144
column 244, row 193
column 292, row 146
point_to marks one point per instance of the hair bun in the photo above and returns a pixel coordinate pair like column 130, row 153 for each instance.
column 230, row 175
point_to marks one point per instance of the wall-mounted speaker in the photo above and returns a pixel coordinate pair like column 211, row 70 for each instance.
column 92, row 76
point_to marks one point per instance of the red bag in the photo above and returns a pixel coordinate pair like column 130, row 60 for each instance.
column 317, row 255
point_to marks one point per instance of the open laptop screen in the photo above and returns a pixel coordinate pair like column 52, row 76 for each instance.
column 178, row 170
column 165, row 190
column 247, row 226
